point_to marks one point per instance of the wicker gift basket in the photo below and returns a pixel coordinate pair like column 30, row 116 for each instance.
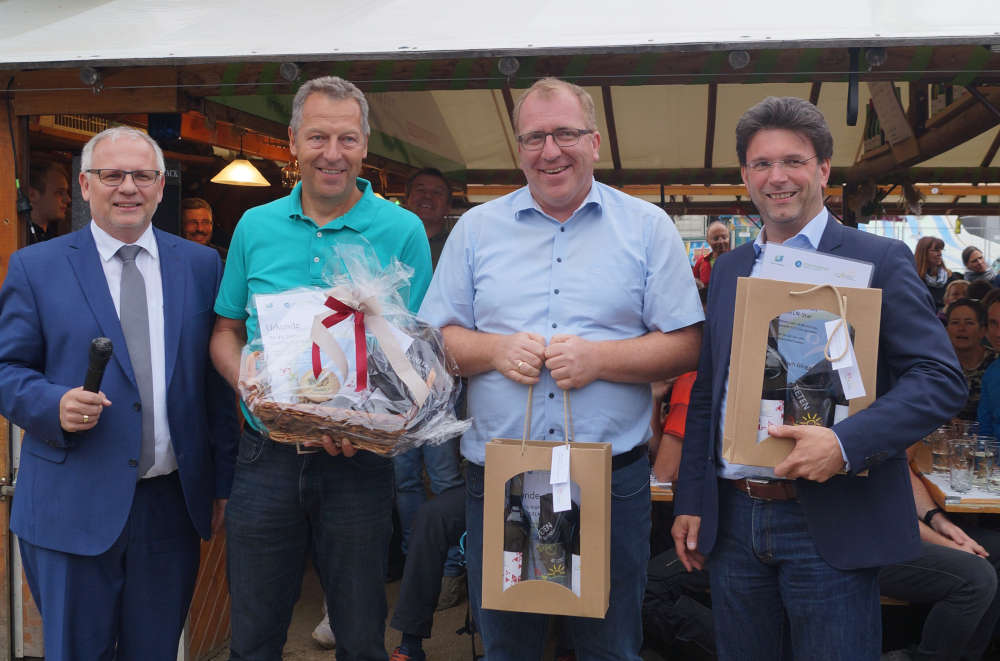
column 365, row 370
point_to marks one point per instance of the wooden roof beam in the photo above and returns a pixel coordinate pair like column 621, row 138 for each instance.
column 959, row 128
column 700, row 176
column 713, row 98
column 609, row 117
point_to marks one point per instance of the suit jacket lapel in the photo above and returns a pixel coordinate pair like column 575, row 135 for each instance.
column 86, row 263
column 832, row 235
column 173, row 274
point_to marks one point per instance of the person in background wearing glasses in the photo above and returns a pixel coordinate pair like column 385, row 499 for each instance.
column 566, row 285
column 196, row 223
column 115, row 487
column 48, row 192
column 793, row 553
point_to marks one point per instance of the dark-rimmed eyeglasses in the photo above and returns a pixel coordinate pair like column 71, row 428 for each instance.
column 562, row 137
column 112, row 177
column 787, row 164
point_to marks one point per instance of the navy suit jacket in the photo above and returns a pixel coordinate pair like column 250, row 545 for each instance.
column 854, row 521
column 74, row 490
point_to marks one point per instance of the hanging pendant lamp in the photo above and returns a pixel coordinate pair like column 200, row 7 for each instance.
column 240, row 172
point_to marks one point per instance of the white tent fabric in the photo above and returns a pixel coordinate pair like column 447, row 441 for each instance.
column 50, row 31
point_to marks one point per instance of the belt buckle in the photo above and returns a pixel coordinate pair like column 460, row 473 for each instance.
column 756, row 480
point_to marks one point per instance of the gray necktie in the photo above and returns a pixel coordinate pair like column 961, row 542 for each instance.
column 134, row 317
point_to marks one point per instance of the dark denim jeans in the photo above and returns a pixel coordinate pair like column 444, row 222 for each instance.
column 521, row 636
column 441, row 462
column 774, row 597
column 283, row 504
column 962, row 588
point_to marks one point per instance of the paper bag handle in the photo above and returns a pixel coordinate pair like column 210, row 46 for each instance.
column 567, row 419
column 842, row 304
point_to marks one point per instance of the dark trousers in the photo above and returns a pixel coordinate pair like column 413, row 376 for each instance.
column 962, row 588
column 284, row 504
column 439, row 525
column 130, row 602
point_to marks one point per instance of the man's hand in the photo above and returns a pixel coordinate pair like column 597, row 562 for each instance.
column 345, row 447
column 218, row 514
column 79, row 409
column 961, row 539
column 685, row 534
column 816, row 455
column 573, row 361
column 519, row 357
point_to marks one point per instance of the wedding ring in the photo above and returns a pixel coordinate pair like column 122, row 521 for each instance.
column 520, row 364
column 86, row 419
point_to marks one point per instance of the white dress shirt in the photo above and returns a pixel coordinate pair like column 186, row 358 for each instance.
column 148, row 263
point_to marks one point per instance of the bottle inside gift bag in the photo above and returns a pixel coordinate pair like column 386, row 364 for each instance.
column 540, row 543
column 800, row 386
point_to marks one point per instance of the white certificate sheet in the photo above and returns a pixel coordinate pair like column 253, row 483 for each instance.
column 780, row 262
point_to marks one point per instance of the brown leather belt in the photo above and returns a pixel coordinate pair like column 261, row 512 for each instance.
column 765, row 489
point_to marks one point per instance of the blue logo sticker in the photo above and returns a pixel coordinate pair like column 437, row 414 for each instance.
column 798, row 263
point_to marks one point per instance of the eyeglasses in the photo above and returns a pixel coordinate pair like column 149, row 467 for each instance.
column 787, row 164
column 141, row 178
column 562, row 137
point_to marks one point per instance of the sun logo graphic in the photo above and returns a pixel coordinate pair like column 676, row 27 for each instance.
column 810, row 419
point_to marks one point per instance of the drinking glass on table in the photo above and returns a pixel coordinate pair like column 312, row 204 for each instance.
column 984, row 457
column 938, row 441
column 961, row 463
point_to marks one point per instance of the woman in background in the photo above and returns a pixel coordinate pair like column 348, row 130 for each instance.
column 931, row 268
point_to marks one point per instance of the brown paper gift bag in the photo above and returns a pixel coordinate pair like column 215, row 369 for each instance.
column 758, row 301
column 590, row 470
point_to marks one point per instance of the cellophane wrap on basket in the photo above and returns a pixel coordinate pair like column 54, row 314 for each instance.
column 350, row 361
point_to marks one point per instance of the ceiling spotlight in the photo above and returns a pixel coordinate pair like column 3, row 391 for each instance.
column 738, row 59
column 875, row 57
column 289, row 71
column 508, row 66
column 90, row 76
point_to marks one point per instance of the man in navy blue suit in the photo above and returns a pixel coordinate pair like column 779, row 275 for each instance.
column 793, row 552
column 115, row 488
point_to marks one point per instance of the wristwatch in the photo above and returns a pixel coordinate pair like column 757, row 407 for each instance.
column 930, row 515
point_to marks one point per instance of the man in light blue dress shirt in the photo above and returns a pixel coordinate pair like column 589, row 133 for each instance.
column 569, row 285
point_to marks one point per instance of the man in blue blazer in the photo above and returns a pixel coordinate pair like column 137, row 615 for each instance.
column 793, row 553
column 115, row 488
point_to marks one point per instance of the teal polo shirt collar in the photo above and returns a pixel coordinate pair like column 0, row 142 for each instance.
column 358, row 218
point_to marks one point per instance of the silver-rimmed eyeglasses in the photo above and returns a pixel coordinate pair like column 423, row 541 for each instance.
column 563, row 138
column 787, row 164
column 112, row 177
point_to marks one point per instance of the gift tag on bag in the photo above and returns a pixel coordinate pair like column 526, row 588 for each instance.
column 559, row 478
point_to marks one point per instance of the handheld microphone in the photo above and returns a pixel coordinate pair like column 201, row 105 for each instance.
column 100, row 353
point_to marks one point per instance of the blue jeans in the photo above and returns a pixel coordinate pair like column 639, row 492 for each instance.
column 441, row 462
column 962, row 590
column 511, row 636
column 774, row 597
column 284, row 504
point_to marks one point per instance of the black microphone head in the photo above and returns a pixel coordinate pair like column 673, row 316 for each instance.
column 100, row 349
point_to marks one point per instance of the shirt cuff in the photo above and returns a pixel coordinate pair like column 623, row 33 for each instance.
column 847, row 464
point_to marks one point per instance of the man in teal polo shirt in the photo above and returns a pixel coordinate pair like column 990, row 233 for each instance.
column 336, row 503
